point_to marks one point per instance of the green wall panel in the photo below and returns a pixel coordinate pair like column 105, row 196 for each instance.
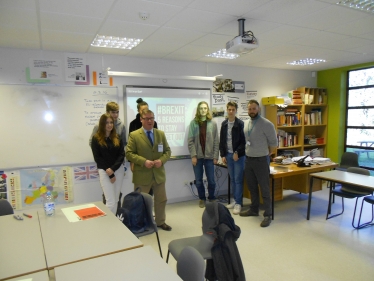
column 335, row 81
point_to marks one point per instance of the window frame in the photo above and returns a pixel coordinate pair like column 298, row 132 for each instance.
column 356, row 147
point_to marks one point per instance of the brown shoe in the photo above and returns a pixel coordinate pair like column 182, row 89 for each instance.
column 164, row 226
column 266, row 222
column 248, row 213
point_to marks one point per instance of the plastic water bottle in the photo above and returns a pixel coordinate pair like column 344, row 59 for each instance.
column 49, row 204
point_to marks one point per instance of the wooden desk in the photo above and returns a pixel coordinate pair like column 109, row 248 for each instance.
column 37, row 276
column 341, row 177
column 138, row 264
column 296, row 178
column 67, row 242
column 21, row 250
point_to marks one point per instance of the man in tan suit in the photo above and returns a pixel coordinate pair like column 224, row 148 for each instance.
column 149, row 150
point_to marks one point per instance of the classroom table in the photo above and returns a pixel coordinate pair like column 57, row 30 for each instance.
column 36, row 276
column 341, row 177
column 296, row 178
column 68, row 242
column 21, row 249
column 138, row 264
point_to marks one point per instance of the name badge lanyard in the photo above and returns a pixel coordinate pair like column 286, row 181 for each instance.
column 250, row 131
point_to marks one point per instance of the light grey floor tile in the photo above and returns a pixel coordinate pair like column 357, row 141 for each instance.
column 291, row 248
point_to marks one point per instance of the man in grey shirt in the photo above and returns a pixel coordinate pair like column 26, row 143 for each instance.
column 261, row 142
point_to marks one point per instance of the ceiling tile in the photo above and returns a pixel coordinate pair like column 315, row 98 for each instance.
column 199, row 20
column 127, row 29
column 85, row 8
column 128, row 10
column 232, row 7
column 70, row 23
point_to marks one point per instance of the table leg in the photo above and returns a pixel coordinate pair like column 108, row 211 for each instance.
column 310, row 197
column 229, row 190
column 272, row 198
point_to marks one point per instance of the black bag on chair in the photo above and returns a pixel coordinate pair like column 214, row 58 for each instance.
column 133, row 212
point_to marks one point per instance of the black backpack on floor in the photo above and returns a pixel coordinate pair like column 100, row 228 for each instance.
column 133, row 212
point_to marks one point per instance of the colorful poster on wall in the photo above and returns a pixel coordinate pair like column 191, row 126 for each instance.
column 29, row 186
column 42, row 69
column 75, row 67
column 3, row 186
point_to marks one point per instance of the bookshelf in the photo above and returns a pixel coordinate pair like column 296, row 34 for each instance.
column 301, row 127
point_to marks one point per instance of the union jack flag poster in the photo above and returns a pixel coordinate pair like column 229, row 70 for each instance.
column 84, row 173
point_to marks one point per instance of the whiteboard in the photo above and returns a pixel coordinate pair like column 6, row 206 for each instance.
column 174, row 108
column 49, row 125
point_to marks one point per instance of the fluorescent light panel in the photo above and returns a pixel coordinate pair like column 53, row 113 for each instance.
column 222, row 54
column 307, row 61
column 156, row 76
column 364, row 5
column 115, row 42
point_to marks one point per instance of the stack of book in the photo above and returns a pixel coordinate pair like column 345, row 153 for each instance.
column 296, row 97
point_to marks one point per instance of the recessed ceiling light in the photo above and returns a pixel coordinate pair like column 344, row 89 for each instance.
column 115, row 42
column 364, row 5
column 222, row 54
column 306, row 61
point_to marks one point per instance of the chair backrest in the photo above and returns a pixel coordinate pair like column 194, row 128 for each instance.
column 5, row 208
column 210, row 217
column 355, row 189
column 190, row 265
column 349, row 159
column 148, row 200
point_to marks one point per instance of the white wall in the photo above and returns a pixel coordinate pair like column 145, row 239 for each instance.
column 267, row 82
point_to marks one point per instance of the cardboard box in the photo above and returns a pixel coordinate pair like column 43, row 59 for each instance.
column 272, row 100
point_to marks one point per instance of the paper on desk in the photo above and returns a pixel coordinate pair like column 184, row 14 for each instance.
column 71, row 215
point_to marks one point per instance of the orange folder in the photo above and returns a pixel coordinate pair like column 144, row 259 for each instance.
column 89, row 213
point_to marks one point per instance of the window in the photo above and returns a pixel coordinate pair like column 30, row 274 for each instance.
column 359, row 134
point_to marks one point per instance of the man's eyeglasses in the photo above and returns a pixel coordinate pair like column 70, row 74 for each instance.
column 148, row 119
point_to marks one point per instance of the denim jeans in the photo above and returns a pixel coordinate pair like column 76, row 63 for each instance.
column 208, row 165
column 236, row 172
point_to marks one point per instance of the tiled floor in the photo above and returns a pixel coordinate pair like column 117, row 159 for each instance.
column 291, row 248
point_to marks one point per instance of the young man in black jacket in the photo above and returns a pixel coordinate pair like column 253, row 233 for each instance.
column 232, row 151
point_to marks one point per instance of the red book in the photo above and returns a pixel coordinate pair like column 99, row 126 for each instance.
column 89, row 213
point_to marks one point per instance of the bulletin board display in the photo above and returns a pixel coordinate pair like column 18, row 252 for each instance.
column 48, row 125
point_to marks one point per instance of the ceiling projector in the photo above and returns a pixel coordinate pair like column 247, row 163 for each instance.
column 244, row 43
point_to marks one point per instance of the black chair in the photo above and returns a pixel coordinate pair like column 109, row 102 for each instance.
column 151, row 227
column 5, row 208
column 370, row 200
column 190, row 265
column 349, row 159
column 349, row 192
column 204, row 243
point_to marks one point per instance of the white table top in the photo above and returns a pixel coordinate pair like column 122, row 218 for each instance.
column 21, row 250
column 67, row 242
column 136, row 265
column 346, row 177
column 37, row 276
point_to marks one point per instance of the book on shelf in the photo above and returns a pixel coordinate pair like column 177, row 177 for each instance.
column 296, row 97
column 286, row 139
